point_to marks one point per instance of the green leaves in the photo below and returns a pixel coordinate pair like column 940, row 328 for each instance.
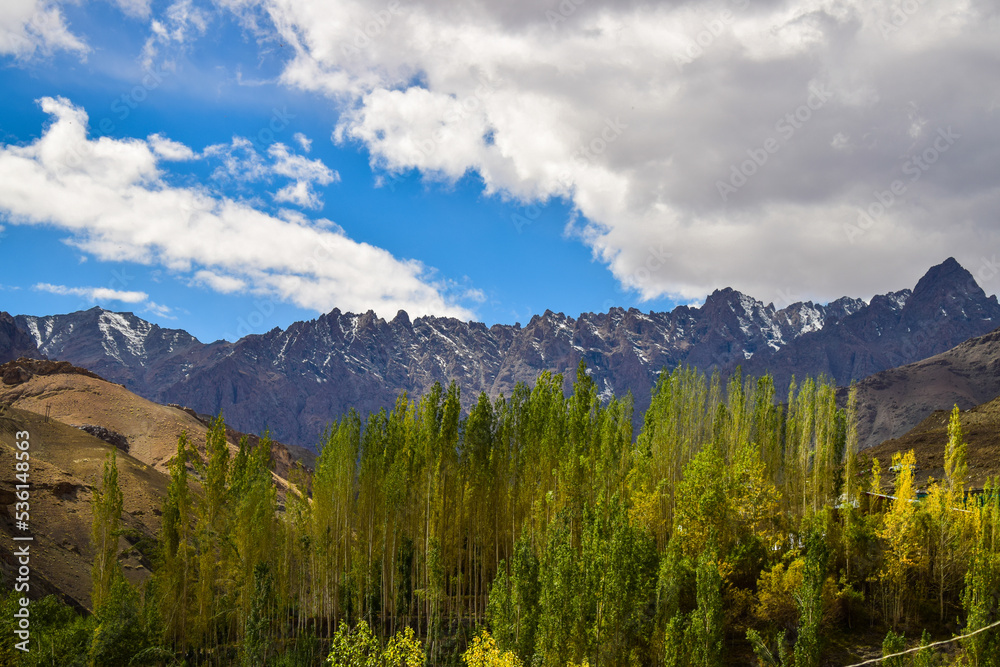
column 955, row 467
column 105, row 529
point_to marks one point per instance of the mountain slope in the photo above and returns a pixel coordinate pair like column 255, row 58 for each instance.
column 66, row 466
column 137, row 426
column 945, row 308
column 14, row 341
column 295, row 381
column 981, row 430
column 892, row 402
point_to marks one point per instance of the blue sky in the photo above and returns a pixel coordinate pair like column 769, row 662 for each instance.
column 247, row 163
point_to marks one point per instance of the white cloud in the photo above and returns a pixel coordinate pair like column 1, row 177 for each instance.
column 303, row 141
column 94, row 293
column 242, row 163
column 219, row 283
column 29, row 27
column 111, row 197
column 169, row 149
column 179, row 25
column 636, row 112
column 134, row 8
column 304, row 172
column 298, row 193
column 159, row 310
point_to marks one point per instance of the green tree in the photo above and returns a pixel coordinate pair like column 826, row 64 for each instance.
column 900, row 533
column 484, row 652
column 513, row 604
column 212, row 530
column 892, row 644
column 982, row 583
column 706, row 629
column 119, row 634
column 808, row 646
column 175, row 577
column 357, row 648
column 106, row 507
column 955, row 466
column 256, row 639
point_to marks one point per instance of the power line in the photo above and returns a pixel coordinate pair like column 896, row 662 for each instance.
column 921, row 648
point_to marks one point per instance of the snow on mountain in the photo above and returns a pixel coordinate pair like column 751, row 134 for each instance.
column 296, row 381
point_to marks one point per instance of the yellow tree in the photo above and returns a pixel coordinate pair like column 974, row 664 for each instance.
column 901, row 539
column 484, row 652
column 945, row 521
column 955, row 466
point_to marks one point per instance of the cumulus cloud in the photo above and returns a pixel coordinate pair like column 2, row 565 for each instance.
column 728, row 142
column 94, row 293
column 219, row 283
column 169, row 149
column 30, row 27
column 303, row 141
column 241, row 162
column 111, row 196
column 304, row 172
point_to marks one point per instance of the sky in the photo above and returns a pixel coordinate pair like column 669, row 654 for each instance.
column 232, row 166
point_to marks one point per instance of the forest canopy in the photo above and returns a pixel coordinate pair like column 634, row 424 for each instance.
column 736, row 527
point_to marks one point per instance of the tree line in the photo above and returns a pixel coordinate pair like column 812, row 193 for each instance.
column 539, row 529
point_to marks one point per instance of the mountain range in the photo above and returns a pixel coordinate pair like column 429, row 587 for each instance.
column 295, row 381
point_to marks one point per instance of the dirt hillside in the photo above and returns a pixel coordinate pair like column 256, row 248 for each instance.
column 66, row 466
column 981, row 427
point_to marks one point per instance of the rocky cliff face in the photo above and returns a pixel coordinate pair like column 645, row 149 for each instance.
column 297, row 380
column 945, row 308
column 14, row 341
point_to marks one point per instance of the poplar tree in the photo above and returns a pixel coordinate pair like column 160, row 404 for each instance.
column 106, row 507
column 176, row 576
column 955, row 466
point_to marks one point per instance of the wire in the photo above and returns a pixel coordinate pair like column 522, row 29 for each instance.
column 921, row 648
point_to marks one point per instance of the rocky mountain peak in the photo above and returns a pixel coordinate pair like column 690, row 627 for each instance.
column 948, row 276
column 15, row 342
column 297, row 380
column 726, row 296
column 402, row 319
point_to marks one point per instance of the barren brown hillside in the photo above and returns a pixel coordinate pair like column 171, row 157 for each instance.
column 148, row 430
column 86, row 400
column 66, row 465
column 55, row 402
column 892, row 402
column 981, row 426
